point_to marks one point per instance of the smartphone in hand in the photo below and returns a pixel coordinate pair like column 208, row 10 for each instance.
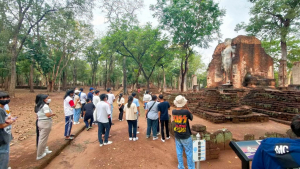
column 14, row 119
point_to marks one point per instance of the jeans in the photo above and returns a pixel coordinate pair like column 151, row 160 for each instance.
column 77, row 114
column 152, row 124
column 121, row 109
column 164, row 123
column 4, row 156
column 187, row 144
column 132, row 124
column 68, row 125
column 102, row 126
column 111, row 109
column 88, row 117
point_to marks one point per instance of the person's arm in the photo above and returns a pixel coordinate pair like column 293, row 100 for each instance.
column 108, row 110
column 258, row 160
column 7, row 122
column 47, row 111
column 135, row 109
column 146, row 110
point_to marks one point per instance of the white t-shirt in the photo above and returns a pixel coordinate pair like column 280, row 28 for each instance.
column 103, row 110
column 83, row 98
column 96, row 100
column 131, row 113
column 147, row 98
column 111, row 98
column 42, row 113
column 122, row 101
column 67, row 106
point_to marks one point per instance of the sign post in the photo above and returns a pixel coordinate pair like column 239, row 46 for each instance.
column 199, row 150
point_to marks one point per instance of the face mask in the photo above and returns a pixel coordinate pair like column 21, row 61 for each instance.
column 3, row 102
column 7, row 101
column 49, row 100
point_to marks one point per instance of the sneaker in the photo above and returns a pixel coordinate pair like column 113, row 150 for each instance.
column 135, row 139
column 163, row 140
column 137, row 132
column 147, row 136
column 155, row 138
column 90, row 127
column 74, row 123
column 78, row 123
column 168, row 138
column 42, row 156
column 109, row 142
column 87, row 129
column 158, row 133
column 130, row 138
column 101, row 145
column 47, row 151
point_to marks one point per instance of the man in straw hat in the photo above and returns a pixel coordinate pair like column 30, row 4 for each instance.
column 183, row 132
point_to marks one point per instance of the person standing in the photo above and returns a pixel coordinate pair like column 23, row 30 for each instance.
column 136, row 102
column 147, row 97
column 90, row 94
column 77, row 107
column 68, row 110
column 88, row 111
column 5, row 130
column 120, row 103
column 45, row 115
column 96, row 98
column 83, row 98
column 130, row 111
column 152, row 117
column 163, row 114
column 183, row 132
column 103, row 111
column 110, row 100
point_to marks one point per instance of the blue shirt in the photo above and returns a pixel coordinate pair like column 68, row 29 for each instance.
column 136, row 102
column 163, row 107
column 277, row 153
column 90, row 96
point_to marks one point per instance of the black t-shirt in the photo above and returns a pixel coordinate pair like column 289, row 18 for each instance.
column 182, row 127
column 89, row 108
column 163, row 107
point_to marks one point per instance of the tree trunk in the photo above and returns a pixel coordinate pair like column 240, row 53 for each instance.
column 6, row 83
column 106, row 78
column 31, row 84
column 164, row 85
column 64, row 87
column 13, row 73
column 124, row 76
column 283, row 70
column 183, row 74
column 148, row 84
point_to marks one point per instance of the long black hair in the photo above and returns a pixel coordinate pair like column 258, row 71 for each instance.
column 68, row 93
column 120, row 96
column 130, row 100
column 39, row 102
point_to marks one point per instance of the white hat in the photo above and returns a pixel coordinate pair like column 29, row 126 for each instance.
column 180, row 101
column 77, row 91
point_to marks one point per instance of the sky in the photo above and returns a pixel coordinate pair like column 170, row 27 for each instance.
column 237, row 11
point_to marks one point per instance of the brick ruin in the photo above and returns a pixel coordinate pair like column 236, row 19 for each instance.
column 250, row 65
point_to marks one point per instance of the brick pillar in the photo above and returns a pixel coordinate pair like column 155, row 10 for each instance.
column 283, row 73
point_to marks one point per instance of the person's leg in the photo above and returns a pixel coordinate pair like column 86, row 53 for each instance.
column 67, row 126
column 111, row 108
column 167, row 128
column 120, row 111
column 37, row 132
column 71, row 123
column 179, row 151
column 4, row 155
column 188, row 147
column 109, row 121
column 107, row 128
column 77, row 114
column 157, row 126
column 91, row 120
column 162, row 129
column 134, row 123
column 129, row 128
column 82, row 105
column 45, row 128
column 148, row 127
column 86, row 118
column 100, row 129
column 154, row 125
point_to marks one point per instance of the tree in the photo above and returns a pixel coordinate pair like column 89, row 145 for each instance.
column 143, row 44
column 22, row 20
column 93, row 54
column 190, row 23
column 272, row 20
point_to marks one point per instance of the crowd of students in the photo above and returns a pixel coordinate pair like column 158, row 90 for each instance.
column 96, row 108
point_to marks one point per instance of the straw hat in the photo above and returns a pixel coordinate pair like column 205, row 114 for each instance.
column 180, row 101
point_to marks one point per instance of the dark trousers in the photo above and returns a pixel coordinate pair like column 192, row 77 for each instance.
column 109, row 122
column 68, row 125
column 121, row 109
column 158, row 126
column 132, row 124
column 88, row 117
column 164, row 123
column 106, row 127
column 37, row 132
column 82, row 105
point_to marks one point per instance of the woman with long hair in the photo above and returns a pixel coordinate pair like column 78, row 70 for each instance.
column 130, row 111
column 120, row 103
column 44, row 114
column 68, row 110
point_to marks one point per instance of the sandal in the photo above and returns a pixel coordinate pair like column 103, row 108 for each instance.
column 70, row 138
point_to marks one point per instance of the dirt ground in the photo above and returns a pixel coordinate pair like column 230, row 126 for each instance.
column 84, row 151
